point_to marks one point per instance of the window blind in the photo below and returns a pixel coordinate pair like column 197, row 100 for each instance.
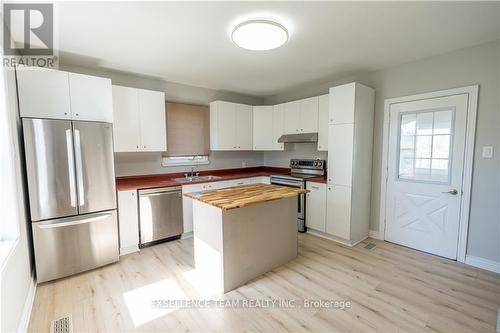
column 188, row 131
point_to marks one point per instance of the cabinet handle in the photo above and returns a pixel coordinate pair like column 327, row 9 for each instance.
column 315, row 187
column 144, row 146
column 77, row 114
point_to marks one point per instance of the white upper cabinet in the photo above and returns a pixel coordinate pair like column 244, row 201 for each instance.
column 278, row 125
column 231, row 126
column 139, row 120
column 91, row 98
column 226, row 126
column 43, row 93
column 53, row 94
column 152, row 120
column 126, row 132
column 263, row 128
column 308, row 120
column 342, row 104
column 292, row 117
column 323, row 107
column 244, row 126
column 301, row 116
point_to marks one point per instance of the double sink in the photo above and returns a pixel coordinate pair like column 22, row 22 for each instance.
column 189, row 179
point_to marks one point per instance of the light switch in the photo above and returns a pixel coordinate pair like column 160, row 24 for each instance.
column 488, row 152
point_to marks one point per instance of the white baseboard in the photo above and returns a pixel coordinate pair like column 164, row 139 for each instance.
column 28, row 306
column 187, row 235
column 486, row 264
column 374, row 234
column 342, row 241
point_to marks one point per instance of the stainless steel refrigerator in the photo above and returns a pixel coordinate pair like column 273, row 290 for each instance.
column 71, row 184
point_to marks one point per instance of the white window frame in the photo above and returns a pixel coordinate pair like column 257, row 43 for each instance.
column 169, row 161
column 470, row 135
column 10, row 228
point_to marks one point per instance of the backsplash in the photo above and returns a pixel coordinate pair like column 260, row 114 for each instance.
column 293, row 150
column 131, row 164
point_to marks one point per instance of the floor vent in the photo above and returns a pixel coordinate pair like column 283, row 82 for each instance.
column 62, row 325
column 370, row 246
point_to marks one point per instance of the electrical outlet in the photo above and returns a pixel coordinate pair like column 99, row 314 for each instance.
column 243, row 164
column 488, row 152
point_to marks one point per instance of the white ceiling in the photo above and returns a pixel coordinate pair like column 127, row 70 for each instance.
column 189, row 42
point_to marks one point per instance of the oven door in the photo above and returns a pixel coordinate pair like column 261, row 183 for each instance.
column 301, row 202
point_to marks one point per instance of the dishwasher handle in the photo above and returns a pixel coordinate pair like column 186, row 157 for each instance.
column 159, row 191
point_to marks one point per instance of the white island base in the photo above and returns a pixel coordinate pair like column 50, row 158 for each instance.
column 232, row 247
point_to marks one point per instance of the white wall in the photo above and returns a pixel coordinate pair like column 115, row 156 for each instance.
column 128, row 164
column 17, row 276
column 475, row 65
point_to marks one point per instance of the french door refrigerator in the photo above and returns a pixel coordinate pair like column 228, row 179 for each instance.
column 71, row 185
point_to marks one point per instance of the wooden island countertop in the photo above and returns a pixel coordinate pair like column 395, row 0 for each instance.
column 244, row 195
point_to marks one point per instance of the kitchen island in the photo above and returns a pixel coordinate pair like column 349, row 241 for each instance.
column 242, row 232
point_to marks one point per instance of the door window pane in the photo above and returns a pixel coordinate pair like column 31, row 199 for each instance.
column 424, row 146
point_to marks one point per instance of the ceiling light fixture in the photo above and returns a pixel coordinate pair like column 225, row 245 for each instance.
column 259, row 35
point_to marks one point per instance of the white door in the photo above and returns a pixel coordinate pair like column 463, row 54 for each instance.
column 316, row 206
column 308, row 117
column 91, row 98
column 153, row 124
column 291, row 120
column 226, row 126
column 323, row 108
column 126, row 129
column 43, row 93
column 263, row 127
column 278, row 111
column 244, row 127
column 425, row 166
column 338, row 211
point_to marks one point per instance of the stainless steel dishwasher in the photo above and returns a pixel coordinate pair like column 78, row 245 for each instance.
column 160, row 215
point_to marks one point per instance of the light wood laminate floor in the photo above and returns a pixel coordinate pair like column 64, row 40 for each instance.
column 392, row 289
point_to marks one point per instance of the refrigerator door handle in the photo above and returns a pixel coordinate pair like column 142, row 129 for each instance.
column 71, row 168
column 79, row 168
column 75, row 222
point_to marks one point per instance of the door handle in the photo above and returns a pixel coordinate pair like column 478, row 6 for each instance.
column 74, row 222
column 79, row 168
column 452, row 192
column 71, row 167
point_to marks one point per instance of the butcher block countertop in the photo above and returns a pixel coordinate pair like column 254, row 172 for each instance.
column 241, row 196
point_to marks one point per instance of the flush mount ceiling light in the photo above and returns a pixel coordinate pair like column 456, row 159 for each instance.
column 259, row 35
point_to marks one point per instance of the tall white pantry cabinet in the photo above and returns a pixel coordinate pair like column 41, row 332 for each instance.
column 350, row 141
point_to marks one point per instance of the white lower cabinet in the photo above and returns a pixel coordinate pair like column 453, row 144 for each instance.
column 338, row 211
column 316, row 206
column 128, row 221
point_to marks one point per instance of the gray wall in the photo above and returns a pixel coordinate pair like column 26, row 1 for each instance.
column 293, row 150
column 476, row 65
column 17, row 274
column 128, row 164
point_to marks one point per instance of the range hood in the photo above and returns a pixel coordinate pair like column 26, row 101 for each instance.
column 299, row 138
